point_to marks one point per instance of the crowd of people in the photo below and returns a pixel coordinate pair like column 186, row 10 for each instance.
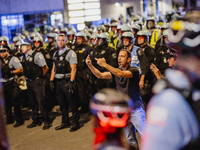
column 70, row 67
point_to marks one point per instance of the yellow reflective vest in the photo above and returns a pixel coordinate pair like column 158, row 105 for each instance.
column 155, row 37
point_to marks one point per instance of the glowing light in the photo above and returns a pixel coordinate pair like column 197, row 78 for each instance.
column 76, row 13
column 117, row 4
column 91, row 5
column 76, row 20
column 92, row 18
column 74, row 1
column 92, row 12
column 75, row 6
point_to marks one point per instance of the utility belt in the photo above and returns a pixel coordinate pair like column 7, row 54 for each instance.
column 4, row 80
column 27, row 79
column 64, row 77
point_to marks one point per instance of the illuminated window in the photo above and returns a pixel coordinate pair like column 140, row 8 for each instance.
column 74, row 1
column 76, row 13
column 76, row 20
column 91, row 5
column 83, row 10
column 75, row 6
column 92, row 18
column 93, row 12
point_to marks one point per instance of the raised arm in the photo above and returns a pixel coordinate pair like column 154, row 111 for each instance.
column 96, row 72
column 115, row 71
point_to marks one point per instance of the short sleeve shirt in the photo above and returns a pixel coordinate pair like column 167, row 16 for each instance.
column 130, row 86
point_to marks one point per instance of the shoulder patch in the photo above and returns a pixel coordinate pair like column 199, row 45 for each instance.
column 16, row 60
column 114, row 55
column 41, row 56
column 47, row 56
column 73, row 54
column 157, row 116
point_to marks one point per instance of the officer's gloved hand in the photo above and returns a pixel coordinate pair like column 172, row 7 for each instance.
column 71, row 86
column 51, row 85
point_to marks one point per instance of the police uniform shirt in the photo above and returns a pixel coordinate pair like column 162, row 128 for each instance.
column 71, row 57
column 14, row 63
column 171, row 122
column 130, row 86
column 38, row 59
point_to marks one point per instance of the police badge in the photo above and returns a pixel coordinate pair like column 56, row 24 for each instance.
column 61, row 58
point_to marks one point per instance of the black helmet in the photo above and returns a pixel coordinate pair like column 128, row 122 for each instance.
column 111, row 107
column 184, row 34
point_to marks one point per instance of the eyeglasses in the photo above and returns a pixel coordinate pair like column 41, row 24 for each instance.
column 2, row 51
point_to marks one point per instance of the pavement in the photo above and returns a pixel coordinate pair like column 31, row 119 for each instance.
column 21, row 138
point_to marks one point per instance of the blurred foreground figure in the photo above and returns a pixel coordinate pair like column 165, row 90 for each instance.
column 3, row 135
column 111, row 110
column 173, row 115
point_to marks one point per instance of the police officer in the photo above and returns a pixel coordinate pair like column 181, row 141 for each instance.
column 35, row 70
column 173, row 117
column 104, row 51
column 64, row 31
column 114, row 38
column 9, row 68
column 159, row 43
column 71, row 38
column 101, row 29
column 51, row 48
column 162, row 54
column 138, row 57
column 83, row 74
column 38, row 44
column 154, row 34
column 64, row 71
column 15, row 40
column 149, row 53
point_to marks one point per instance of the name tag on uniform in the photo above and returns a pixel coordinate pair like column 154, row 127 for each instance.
column 80, row 51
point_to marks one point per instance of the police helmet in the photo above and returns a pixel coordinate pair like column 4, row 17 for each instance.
column 16, row 39
column 4, row 38
column 94, row 35
column 136, row 26
column 184, row 34
column 142, row 33
column 38, row 39
column 90, row 30
column 119, row 27
column 19, row 43
column 65, row 30
column 81, row 34
column 136, row 18
column 114, row 24
column 128, row 35
column 71, row 32
column 115, row 104
column 87, row 34
column 104, row 36
column 101, row 27
column 52, row 35
column 126, row 28
column 107, row 24
column 165, row 26
column 34, row 34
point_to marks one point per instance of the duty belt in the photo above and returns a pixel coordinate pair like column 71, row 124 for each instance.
column 65, row 76
column 27, row 79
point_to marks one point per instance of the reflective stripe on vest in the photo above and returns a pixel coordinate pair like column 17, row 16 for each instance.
column 154, row 38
